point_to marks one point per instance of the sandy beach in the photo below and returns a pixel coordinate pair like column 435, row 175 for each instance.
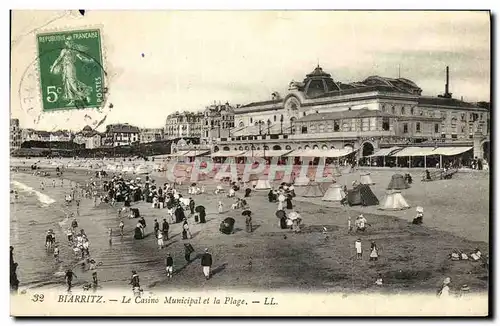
column 412, row 258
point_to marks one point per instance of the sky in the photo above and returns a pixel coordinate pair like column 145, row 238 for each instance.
column 159, row 62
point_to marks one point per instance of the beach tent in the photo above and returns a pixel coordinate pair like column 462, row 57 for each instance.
column 394, row 201
column 366, row 179
column 336, row 171
column 301, row 181
column 398, row 182
column 334, row 193
column 362, row 195
column 313, row 189
column 262, row 184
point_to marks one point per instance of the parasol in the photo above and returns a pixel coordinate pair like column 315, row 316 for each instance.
column 246, row 212
column 420, row 209
column 294, row 216
column 199, row 209
column 281, row 214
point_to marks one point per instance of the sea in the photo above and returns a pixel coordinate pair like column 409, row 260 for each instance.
column 35, row 211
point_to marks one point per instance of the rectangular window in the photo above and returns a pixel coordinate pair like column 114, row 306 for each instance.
column 304, row 129
column 336, row 125
column 385, row 123
column 405, row 128
column 365, row 124
column 454, row 136
column 418, row 127
column 436, row 127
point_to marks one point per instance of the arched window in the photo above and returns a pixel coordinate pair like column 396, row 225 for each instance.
column 266, row 147
column 393, row 110
column 246, row 148
column 288, row 147
column 412, row 111
column 403, row 110
column 324, row 147
column 251, row 120
column 306, row 147
column 383, row 108
column 332, row 147
column 315, row 147
column 274, row 117
column 241, row 124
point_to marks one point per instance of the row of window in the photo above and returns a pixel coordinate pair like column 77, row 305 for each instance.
column 433, row 114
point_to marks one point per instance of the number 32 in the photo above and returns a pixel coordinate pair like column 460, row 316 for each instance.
column 37, row 298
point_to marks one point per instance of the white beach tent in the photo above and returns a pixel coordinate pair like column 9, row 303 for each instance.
column 262, row 184
column 366, row 179
column 301, row 181
column 394, row 201
column 334, row 193
column 313, row 189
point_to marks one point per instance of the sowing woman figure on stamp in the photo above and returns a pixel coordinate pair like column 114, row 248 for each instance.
column 65, row 65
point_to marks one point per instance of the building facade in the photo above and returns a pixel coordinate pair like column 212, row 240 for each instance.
column 148, row 135
column 89, row 137
column 376, row 113
column 15, row 134
column 183, row 124
column 120, row 134
column 34, row 135
column 218, row 121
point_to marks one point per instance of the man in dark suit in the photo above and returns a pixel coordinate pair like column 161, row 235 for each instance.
column 206, row 263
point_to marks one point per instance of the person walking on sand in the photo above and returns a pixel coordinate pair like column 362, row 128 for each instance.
column 134, row 281
column 56, row 253
column 359, row 249
column 349, row 225
column 444, row 290
column 373, row 252
column 42, row 185
column 77, row 207
column 122, row 225
column 169, row 265
column 159, row 236
column 110, row 234
column 185, row 227
column 165, row 227
column 206, row 263
column 220, row 207
column 53, row 183
column 156, row 228
column 69, row 278
column 188, row 249
column 191, row 205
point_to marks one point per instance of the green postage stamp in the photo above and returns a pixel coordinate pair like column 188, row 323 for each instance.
column 71, row 70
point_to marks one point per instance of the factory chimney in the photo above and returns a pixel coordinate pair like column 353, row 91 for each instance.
column 447, row 93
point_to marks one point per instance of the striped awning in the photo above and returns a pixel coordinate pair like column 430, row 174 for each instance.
column 197, row 153
column 450, row 151
column 385, row 151
column 415, row 151
column 334, row 152
column 227, row 153
column 266, row 153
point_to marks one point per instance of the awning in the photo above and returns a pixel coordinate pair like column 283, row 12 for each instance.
column 334, row 152
column 415, row 151
column 197, row 153
column 385, row 151
column 450, row 151
column 227, row 153
column 266, row 153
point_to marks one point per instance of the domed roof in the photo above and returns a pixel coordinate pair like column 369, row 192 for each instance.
column 87, row 128
column 318, row 72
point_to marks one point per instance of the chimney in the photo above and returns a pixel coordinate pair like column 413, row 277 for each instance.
column 447, row 93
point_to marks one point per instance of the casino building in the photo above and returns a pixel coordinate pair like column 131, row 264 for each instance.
column 367, row 117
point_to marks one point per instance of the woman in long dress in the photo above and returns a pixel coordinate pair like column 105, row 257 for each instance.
column 65, row 65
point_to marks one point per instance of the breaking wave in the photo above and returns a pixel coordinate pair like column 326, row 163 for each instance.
column 42, row 198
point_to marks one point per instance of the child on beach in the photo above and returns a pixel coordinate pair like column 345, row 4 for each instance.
column 159, row 235
column 121, row 227
column 56, row 253
column 169, row 262
column 359, row 250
